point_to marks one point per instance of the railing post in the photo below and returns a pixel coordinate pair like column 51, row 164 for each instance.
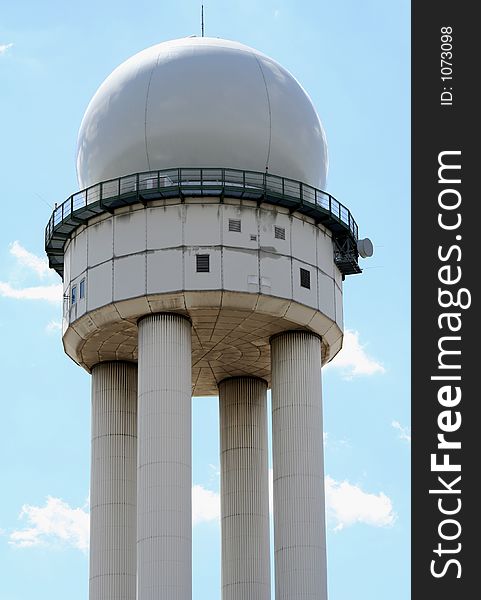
column 137, row 185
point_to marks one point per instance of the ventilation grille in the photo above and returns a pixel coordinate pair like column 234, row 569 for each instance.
column 280, row 233
column 202, row 263
column 305, row 278
column 253, row 238
column 235, row 225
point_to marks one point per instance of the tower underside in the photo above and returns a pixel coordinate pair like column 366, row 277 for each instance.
column 240, row 270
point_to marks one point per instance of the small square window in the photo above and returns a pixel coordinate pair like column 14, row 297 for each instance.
column 202, row 263
column 253, row 238
column 305, row 278
column 280, row 233
column 73, row 297
column 82, row 289
column 235, row 225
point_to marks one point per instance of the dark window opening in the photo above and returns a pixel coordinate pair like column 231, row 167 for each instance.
column 82, row 289
column 305, row 278
column 203, row 263
column 74, row 295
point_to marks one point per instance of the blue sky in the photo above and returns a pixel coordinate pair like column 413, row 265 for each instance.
column 353, row 59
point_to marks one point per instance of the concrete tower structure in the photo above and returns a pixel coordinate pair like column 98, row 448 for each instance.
column 203, row 258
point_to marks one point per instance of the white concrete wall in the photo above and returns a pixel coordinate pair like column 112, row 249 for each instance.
column 113, row 489
column 244, row 489
column 164, row 492
column 298, row 465
column 153, row 250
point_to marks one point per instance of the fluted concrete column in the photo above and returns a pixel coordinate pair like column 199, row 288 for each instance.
column 244, row 489
column 164, row 497
column 299, row 518
column 113, row 487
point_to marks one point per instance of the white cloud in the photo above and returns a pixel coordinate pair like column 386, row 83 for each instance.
column 50, row 293
column 52, row 524
column 404, row 432
column 214, row 473
column 53, row 327
column 4, row 48
column 205, row 505
column 58, row 524
column 39, row 267
column 334, row 443
column 347, row 504
column 30, row 260
column 353, row 360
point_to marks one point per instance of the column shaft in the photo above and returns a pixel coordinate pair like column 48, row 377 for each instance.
column 164, row 517
column 297, row 442
column 113, row 482
column 244, row 489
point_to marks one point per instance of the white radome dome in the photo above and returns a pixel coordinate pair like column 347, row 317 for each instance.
column 201, row 102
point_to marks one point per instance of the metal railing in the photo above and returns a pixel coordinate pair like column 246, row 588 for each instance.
column 187, row 182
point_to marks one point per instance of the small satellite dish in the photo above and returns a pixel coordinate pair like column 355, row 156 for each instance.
column 365, row 248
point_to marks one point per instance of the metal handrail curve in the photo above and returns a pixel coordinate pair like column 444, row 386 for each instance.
column 167, row 183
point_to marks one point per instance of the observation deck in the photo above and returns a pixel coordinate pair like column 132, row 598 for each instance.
column 204, row 182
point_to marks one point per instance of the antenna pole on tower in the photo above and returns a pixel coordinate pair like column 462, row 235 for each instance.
column 202, row 19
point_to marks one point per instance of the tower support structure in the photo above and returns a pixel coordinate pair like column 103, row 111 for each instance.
column 164, row 488
column 244, row 489
column 297, row 443
column 113, row 482
column 201, row 248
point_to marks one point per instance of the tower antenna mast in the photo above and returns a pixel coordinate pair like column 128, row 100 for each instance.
column 202, row 19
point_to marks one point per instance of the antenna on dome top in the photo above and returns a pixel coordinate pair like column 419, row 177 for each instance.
column 202, row 19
